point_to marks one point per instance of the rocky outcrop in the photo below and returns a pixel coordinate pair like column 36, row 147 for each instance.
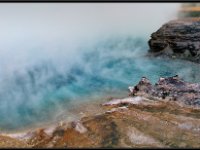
column 172, row 88
column 152, row 116
column 177, row 39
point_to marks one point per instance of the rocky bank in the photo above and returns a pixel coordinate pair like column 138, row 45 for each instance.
column 165, row 114
column 177, row 39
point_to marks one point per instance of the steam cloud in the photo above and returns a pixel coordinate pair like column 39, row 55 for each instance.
column 53, row 53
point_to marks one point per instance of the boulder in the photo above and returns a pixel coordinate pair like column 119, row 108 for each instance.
column 177, row 39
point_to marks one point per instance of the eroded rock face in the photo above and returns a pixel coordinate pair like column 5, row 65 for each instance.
column 177, row 39
column 172, row 88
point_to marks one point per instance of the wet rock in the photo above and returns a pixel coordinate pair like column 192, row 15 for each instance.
column 171, row 88
column 78, row 126
column 177, row 39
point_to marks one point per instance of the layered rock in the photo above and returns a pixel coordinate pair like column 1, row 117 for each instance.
column 172, row 88
column 177, row 39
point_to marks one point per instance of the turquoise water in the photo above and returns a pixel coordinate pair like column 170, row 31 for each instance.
column 105, row 69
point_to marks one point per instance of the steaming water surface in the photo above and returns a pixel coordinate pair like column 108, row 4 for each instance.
column 106, row 69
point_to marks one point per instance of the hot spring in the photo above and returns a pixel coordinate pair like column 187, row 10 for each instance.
column 52, row 57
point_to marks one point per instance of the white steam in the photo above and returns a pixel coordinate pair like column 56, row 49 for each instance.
column 38, row 31
column 40, row 42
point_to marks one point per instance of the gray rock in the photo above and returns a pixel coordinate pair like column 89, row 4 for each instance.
column 171, row 88
column 177, row 38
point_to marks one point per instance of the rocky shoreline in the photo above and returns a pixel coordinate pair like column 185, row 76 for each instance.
column 151, row 116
